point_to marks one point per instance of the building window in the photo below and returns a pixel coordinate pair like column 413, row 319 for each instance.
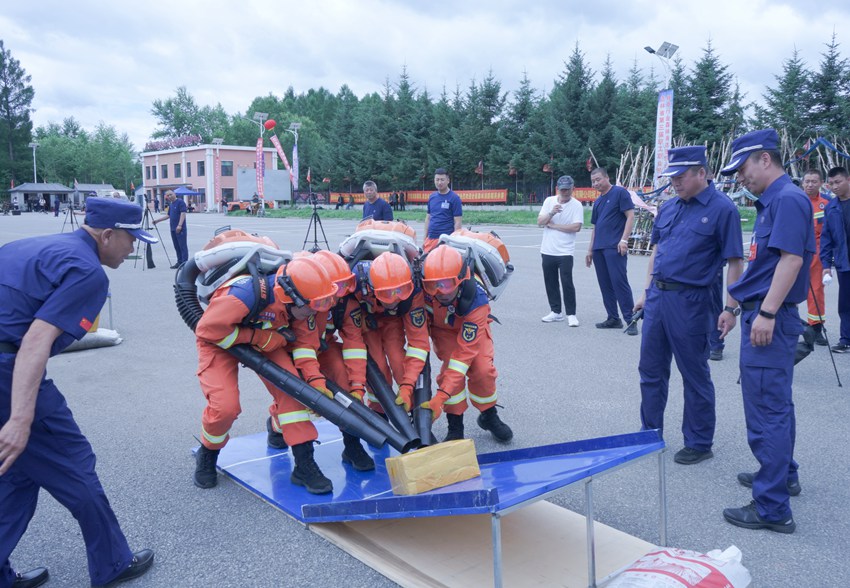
column 177, row 170
column 147, row 172
column 201, row 168
column 164, row 175
column 226, row 168
column 153, row 172
column 227, row 194
column 188, row 169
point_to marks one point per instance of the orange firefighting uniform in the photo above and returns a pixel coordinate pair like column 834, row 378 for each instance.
column 396, row 339
column 343, row 362
column 463, row 342
column 220, row 328
column 817, row 312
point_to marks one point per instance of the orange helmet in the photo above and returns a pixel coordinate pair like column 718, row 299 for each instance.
column 338, row 271
column 391, row 278
column 303, row 281
column 238, row 236
column 444, row 270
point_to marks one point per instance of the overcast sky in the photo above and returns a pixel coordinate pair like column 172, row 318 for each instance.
column 108, row 61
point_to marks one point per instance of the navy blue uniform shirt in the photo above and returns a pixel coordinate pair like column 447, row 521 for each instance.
column 784, row 223
column 609, row 218
column 443, row 209
column 174, row 210
column 380, row 210
column 695, row 238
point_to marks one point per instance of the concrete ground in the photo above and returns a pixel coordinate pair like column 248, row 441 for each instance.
column 139, row 404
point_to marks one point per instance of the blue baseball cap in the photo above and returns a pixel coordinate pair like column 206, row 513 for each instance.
column 681, row 158
column 745, row 145
column 109, row 213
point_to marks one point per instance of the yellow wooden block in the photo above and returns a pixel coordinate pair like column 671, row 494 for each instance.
column 433, row 467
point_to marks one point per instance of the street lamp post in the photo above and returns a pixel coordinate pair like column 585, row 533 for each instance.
column 664, row 53
column 34, row 146
column 216, row 177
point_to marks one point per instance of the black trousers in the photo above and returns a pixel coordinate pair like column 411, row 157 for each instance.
column 553, row 267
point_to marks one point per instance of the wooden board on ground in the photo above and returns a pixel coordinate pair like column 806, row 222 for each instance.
column 542, row 545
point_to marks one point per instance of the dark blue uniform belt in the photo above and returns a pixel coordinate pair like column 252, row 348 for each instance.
column 673, row 285
column 8, row 347
column 754, row 304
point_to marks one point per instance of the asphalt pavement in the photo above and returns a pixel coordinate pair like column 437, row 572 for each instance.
column 140, row 405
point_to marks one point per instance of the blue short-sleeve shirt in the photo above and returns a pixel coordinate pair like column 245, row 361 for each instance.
column 380, row 210
column 783, row 223
column 443, row 209
column 608, row 217
column 693, row 239
column 174, row 210
column 57, row 279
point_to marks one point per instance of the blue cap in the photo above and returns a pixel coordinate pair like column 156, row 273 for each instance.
column 681, row 158
column 746, row 145
column 109, row 213
column 565, row 183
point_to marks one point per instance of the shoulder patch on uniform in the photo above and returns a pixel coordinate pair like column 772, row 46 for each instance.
column 417, row 317
column 311, row 322
column 468, row 331
column 356, row 317
column 821, row 205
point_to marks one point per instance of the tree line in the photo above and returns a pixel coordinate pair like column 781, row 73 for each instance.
column 398, row 136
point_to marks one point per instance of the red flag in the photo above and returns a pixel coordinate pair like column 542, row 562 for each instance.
column 589, row 164
column 480, row 169
column 132, row 186
column 308, row 175
column 326, row 180
column 547, row 168
column 12, row 183
column 511, row 171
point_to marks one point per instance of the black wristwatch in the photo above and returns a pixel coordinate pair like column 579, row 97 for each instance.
column 736, row 310
column 767, row 315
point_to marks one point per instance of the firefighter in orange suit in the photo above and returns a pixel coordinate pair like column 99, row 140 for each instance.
column 812, row 182
column 289, row 299
column 394, row 324
column 459, row 315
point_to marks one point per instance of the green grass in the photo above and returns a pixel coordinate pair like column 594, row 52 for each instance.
column 471, row 216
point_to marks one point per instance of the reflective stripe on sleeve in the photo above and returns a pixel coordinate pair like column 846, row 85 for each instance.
column 354, row 354
column 417, row 353
column 228, row 341
column 303, row 353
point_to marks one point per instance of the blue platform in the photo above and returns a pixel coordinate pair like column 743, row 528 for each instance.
column 509, row 480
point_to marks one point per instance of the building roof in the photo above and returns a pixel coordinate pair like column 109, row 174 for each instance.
column 93, row 187
column 42, row 188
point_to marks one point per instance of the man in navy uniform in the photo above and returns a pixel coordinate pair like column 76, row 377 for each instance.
column 693, row 236
column 375, row 207
column 53, row 288
column 775, row 281
column 613, row 217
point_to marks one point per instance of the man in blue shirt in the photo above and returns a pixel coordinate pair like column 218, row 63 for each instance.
column 445, row 211
column 612, row 219
column 775, row 281
column 834, row 247
column 376, row 208
column 53, row 288
column 177, row 220
column 693, row 236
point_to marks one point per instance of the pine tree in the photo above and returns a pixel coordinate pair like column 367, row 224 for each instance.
column 709, row 93
column 16, row 96
column 829, row 93
column 787, row 105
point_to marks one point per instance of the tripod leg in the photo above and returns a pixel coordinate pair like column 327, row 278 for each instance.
column 149, row 256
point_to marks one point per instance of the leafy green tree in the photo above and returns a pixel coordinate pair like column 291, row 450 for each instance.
column 787, row 105
column 16, row 95
column 176, row 116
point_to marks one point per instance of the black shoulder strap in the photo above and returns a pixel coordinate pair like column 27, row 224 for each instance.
column 261, row 291
column 468, row 289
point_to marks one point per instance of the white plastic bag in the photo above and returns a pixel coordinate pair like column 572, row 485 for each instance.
column 680, row 568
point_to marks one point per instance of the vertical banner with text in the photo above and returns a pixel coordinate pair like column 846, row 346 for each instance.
column 217, row 177
column 259, row 166
column 663, row 134
column 295, row 167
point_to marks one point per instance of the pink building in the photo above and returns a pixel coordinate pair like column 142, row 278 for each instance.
column 194, row 168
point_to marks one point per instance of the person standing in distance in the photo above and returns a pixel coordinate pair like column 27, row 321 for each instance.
column 177, row 220
column 54, row 287
column 693, row 236
column 834, row 247
column 561, row 217
column 775, row 282
column 612, row 219
column 374, row 207
column 444, row 213
column 815, row 303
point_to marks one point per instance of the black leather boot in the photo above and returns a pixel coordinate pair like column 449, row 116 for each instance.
column 205, row 474
column 274, row 439
column 489, row 421
column 455, row 431
column 307, row 472
column 355, row 454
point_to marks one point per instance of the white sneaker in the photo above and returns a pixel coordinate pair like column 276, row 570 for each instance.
column 572, row 320
column 553, row 317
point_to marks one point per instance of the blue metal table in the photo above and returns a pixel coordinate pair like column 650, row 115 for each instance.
column 509, row 480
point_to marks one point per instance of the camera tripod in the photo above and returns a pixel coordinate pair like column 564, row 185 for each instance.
column 148, row 225
column 316, row 225
column 70, row 218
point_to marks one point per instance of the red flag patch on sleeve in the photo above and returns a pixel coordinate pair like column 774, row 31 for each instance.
column 85, row 323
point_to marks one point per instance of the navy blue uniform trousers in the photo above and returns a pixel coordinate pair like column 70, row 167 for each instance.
column 611, row 273
column 59, row 459
column 676, row 324
column 766, row 377
column 181, row 245
column 717, row 304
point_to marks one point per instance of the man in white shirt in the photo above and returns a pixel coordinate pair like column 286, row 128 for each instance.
column 561, row 217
